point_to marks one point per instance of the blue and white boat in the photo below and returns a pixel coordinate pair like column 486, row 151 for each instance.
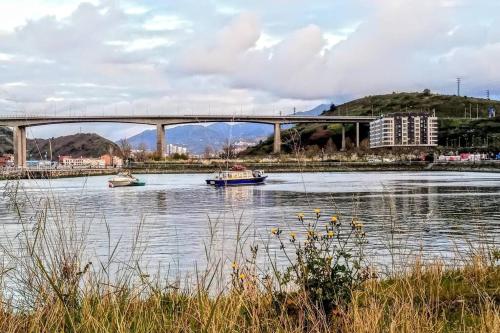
column 238, row 175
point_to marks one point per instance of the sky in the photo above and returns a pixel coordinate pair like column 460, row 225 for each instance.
column 233, row 57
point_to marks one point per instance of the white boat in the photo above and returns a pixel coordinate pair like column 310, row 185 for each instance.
column 124, row 179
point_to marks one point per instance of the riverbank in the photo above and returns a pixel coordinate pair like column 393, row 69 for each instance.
column 428, row 298
column 269, row 167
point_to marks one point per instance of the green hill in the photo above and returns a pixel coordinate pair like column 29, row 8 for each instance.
column 327, row 137
column 76, row 145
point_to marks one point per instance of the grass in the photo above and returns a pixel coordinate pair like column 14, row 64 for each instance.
column 428, row 298
column 48, row 284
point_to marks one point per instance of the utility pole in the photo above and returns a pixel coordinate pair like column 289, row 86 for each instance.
column 458, row 86
column 487, row 94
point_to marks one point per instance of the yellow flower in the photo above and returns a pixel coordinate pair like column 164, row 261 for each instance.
column 242, row 276
column 234, row 265
column 334, row 219
column 310, row 233
column 300, row 216
column 356, row 224
column 330, row 234
column 293, row 235
column 274, row 231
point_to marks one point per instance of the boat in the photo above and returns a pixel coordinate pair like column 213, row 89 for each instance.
column 125, row 179
column 237, row 175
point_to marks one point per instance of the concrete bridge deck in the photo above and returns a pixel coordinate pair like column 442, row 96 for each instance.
column 20, row 123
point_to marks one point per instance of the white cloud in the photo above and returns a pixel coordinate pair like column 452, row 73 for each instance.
column 157, row 56
column 17, row 13
column 166, row 22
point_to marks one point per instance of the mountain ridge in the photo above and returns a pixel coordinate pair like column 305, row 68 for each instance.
column 198, row 137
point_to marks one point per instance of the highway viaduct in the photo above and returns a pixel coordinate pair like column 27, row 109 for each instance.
column 20, row 123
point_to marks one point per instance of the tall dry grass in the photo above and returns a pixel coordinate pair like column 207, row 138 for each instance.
column 49, row 284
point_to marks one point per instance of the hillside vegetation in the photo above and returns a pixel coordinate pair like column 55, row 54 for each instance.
column 327, row 137
column 76, row 145
column 444, row 105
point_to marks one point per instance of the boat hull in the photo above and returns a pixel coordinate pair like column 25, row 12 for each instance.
column 236, row 182
column 122, row 184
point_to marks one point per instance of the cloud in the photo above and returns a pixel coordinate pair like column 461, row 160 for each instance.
column 191, row 56
column 394, row 48
column 222, row 53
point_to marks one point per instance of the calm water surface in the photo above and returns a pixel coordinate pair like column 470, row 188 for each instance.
column 429, row 212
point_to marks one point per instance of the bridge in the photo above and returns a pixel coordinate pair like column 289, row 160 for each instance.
column 20, row 123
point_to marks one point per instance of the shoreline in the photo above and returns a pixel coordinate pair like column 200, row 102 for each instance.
column 268, row 167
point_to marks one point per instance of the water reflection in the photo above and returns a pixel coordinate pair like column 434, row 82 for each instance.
column 429, row 213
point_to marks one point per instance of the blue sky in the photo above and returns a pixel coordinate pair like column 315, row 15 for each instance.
column 192, row 57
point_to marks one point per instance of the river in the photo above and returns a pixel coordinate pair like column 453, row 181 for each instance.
column 430, row 213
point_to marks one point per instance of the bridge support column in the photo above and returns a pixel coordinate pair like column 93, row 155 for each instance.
column 160, row 140
column 357, row 135
column 20, row 148
column 343, row 138
column 277, row 138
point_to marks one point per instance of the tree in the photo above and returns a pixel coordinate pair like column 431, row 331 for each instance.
column 141, row 152
column 333, row 108
column 427, row 92
column 125, row 148
column 228, row 150
column 330, row 147
column 208, row 152
column 313, row 151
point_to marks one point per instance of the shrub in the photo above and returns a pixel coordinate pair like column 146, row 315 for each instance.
column 329, row 262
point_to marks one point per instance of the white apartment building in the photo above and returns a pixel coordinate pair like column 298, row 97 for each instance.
column 172, row 149
column 417, row 129
column 82, row 162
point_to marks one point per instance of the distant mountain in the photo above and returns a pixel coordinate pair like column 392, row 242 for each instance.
column 76, row 145
column 82, row 144
column 314, row 112
column 197, row 137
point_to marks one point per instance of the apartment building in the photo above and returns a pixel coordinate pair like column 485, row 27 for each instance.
column 82, row 162
column 417, row 129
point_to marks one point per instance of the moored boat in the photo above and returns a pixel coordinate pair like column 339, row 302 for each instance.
column 125, row 179
column 238, row 175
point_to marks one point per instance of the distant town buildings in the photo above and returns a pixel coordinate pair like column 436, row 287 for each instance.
column 6, row 160
column 172, row 149
column 112, row 160
column 404, row 129
column 89, row 162
column 82, row 161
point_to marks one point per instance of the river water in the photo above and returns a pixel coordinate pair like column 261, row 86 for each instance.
column 176, row 215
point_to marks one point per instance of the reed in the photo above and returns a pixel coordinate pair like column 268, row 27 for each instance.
column 49, row 283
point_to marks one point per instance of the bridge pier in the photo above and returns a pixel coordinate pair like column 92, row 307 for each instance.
column 277, row 138
column 19, row 146
column 343, row 138
column 160, row 140
column 357, row 135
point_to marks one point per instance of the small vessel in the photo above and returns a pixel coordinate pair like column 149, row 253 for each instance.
column 125, row 179
column 237, row 175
